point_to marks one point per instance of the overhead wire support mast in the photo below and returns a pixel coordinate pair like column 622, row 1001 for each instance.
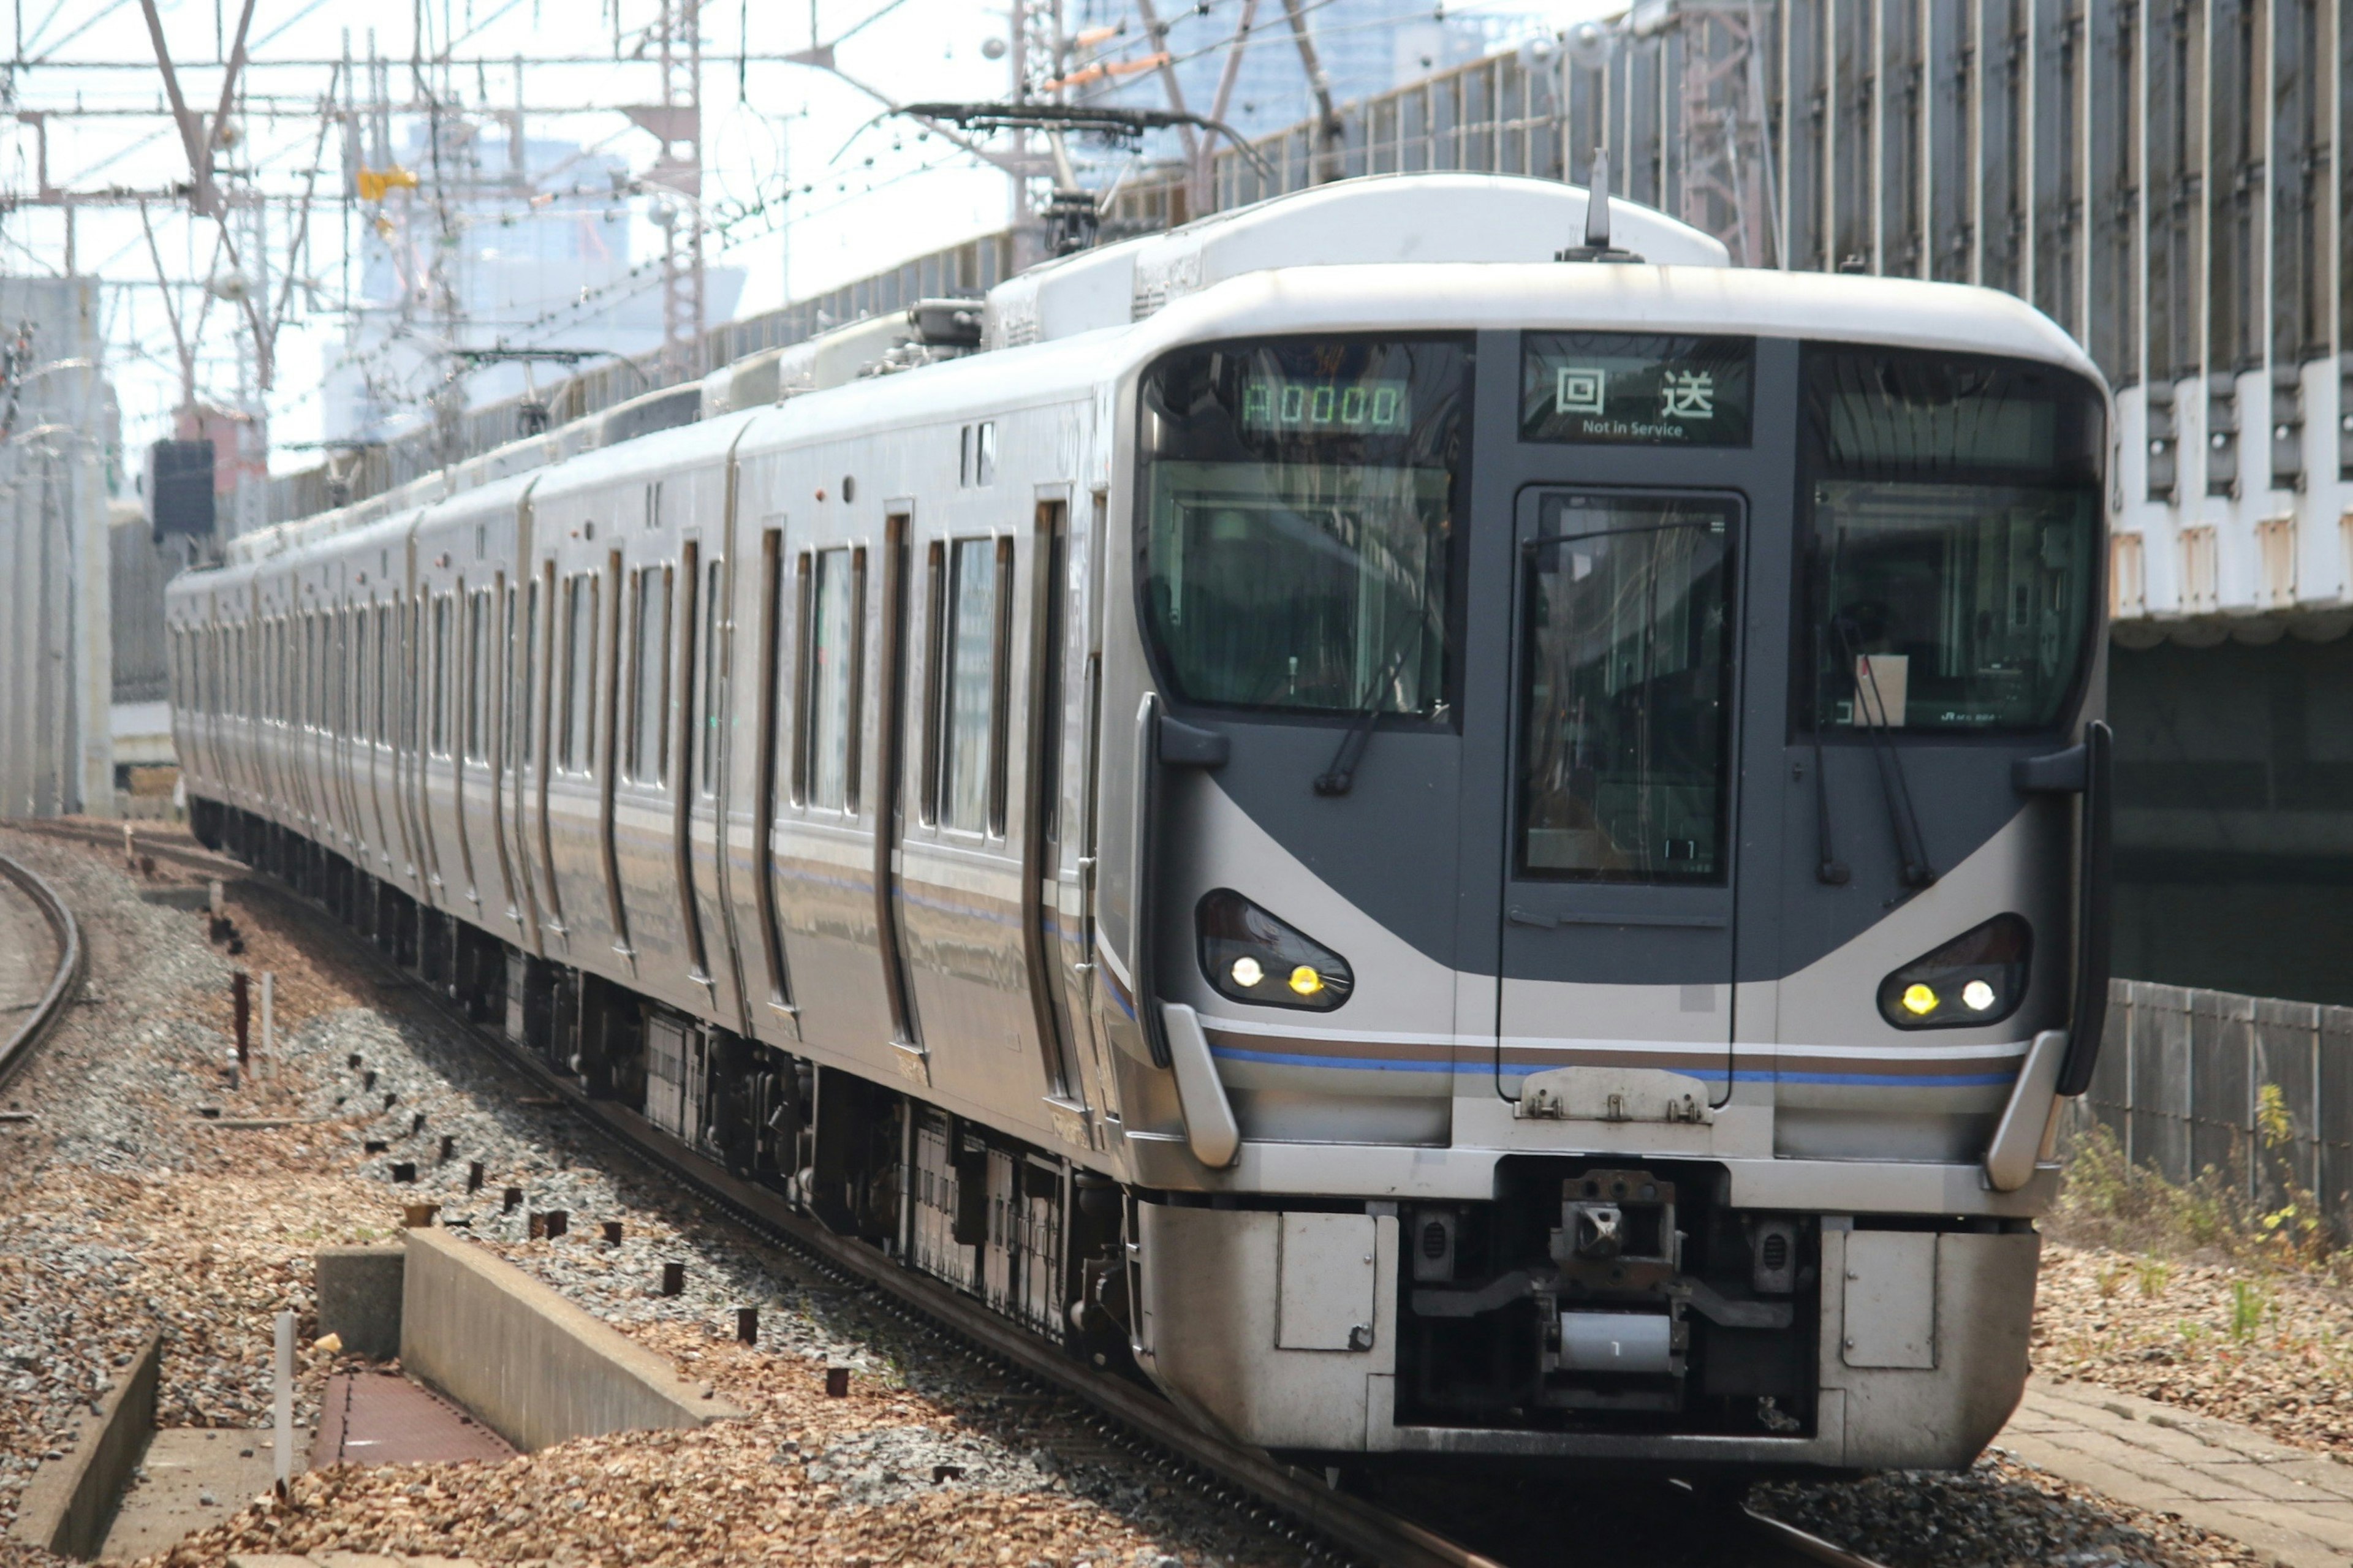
column 677, row 123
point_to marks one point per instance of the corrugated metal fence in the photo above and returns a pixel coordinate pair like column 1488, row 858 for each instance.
column 2181, row 1080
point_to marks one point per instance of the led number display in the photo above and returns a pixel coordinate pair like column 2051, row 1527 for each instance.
column 1339, row 407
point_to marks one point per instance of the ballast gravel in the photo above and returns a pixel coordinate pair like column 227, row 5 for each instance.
column 153, row 1192
column 1999, row 1511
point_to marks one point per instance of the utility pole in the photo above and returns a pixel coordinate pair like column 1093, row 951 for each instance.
column 1327, row 165
column 677, row 123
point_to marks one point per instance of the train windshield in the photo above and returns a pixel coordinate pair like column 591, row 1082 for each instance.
column 1953, row 514
column 1299, row 522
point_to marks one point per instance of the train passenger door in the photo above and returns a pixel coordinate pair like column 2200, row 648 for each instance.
column 539, row 759
column 516, row 736
column 686, row 769
column 704, row 775
column 889, row 770
column 1042, row 825
column 1616, row 918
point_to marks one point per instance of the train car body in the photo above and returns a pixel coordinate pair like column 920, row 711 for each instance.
column 1452, row 852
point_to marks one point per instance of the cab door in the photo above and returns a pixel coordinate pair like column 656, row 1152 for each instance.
column 1616, row 918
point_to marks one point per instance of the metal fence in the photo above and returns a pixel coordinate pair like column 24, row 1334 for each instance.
column 2181, row 1080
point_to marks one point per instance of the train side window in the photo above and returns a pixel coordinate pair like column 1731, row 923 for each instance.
column 969, row 688
column 519, row 747
column 380, row 726
column 976, row 455
column 804, row 601
column 936, row 599
column 713, row 623
column 1001, row 737
column 363, row 673
column 650, row 678
column 436, row 682
column 478, row 661
column 579, row 625
column 857, row 677
column 831, row 695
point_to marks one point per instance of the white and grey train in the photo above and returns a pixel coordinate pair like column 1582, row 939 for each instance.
column 1448, row 842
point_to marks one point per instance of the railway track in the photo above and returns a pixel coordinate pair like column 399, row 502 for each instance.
column 1359, row 1527
column 33, row 1009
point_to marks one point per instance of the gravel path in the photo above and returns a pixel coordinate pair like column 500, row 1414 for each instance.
column 125, row 1205
column 2271, row 1349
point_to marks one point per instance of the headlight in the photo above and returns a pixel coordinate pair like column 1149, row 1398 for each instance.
column 1249, row 955
column 1978, row 977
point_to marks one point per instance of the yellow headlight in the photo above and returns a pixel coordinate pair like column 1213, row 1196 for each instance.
column 1306, row 981
column 1919, row 1000
column 1246, row 971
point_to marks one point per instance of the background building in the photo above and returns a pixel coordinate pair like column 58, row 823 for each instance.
column 56, row 425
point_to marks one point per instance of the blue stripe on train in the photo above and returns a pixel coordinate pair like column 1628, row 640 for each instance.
column 1864, row 1080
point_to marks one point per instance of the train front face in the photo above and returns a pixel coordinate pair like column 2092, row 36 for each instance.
column 1614, row 830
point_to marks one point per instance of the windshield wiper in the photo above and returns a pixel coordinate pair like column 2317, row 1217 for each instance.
column 1340, row 776
column 1829, row 869
column 1911, row 844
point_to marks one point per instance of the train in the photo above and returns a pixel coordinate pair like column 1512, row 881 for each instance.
column 1419, row 812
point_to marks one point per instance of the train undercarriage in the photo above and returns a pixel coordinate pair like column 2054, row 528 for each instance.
column 1599, row 1307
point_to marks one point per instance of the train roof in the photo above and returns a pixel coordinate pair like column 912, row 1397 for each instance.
column 1385, row 253
column 1569, row 296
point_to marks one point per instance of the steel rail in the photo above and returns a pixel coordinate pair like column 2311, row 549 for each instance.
column 64, row 984
column 1343, row 1519
column 1347, row 1520
column 189, row 855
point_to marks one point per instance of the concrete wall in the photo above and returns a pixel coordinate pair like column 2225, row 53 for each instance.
column 2234, row 816
column 533, row 1367
column 67, row 1506
column 359, row 1295
column 56, row 425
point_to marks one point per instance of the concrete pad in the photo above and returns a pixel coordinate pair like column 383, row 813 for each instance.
column 166, row 1503
column 2291, row 1504
column 359, row 1297
column 536, row 1369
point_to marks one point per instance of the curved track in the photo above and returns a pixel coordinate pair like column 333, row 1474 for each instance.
column 41, row 963
column 1356, row 1525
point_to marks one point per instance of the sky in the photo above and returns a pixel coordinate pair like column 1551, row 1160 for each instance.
column 876, row 191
